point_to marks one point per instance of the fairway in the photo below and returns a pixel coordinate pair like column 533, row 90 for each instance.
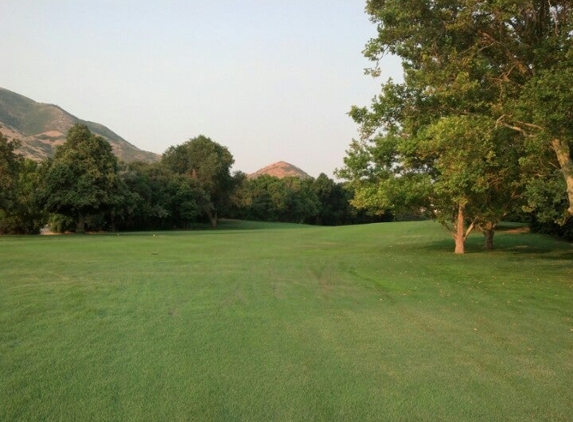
column 277, row 322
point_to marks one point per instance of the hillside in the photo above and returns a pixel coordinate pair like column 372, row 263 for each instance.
column 280, row 169
column 42, row 127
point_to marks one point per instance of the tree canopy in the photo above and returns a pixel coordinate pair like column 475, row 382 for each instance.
column 458, row 137
column 10, row 163
column 208, row 164
column 82, row 179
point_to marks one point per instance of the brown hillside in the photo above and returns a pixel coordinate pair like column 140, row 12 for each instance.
column 280, row 170
column 42, row 127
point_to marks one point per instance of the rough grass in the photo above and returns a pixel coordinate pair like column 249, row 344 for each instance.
column 265, row 322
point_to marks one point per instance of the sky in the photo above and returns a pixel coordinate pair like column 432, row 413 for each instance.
column 270, row 80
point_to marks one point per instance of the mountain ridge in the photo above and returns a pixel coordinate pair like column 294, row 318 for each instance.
column 42, row 127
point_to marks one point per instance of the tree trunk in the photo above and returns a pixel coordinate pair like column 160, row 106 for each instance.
column 488, row 234
column 213, row 219
column 211, row 216
column 563, row 153
column 459, row 235
column 488, row 230
column 81, row 224
column 113, row 225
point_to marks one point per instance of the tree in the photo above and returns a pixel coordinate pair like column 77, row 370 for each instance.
column 82, row 179
column 521, row 50
column 474, row 174
column 446, row 166
column 19, row 213
column 148, row 197
column 334, row 208
column 469, row 69
column 10, row 164
column 546, row 103
column 27, row 216
column 300, row 202
column 208, row 164
column 530, row 43
column 269, row 198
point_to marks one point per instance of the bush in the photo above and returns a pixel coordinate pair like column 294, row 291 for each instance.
column 562, row 231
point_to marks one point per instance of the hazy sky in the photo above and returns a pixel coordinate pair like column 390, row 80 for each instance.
column 270, row 80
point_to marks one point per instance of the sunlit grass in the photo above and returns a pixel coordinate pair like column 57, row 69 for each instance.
column 264, row 322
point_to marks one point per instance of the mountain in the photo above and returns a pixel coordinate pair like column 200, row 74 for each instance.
column 42, row 127
column 280, row 170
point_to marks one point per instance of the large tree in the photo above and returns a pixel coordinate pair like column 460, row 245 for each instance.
column 461, row 115
column 515, row 56
column 207, row 164
column 530, row 43
column 82, row 179
column 452, row 171
column 334, row 208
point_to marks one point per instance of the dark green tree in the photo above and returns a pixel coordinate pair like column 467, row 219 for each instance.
column 269, row 198
column 10, row 165
column 301, row 204
column 334, row 207
column 156, row 198
column 148, row 200
column 19, row 213
column 208, row 164
column 28, row 217
column 82, row 179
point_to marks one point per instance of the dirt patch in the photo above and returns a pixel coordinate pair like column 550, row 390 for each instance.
column 52, row 134
column 45, row 231
column 518, row 230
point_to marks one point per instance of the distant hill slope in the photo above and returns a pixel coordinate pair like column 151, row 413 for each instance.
column 42, row 127
column 280, row 170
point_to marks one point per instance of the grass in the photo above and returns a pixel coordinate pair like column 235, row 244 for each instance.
column 269, row 322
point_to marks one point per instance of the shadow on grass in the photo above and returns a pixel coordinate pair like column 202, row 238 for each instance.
column 512, row 242
column 229, row 224
column 223, row 226
column 511, row 238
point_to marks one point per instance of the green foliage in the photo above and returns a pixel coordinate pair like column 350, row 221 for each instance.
column 10, row 163
column 28, row 217
column 454, row 164
column 547, row 104
column 19, row 212
column 269, row 198
column 157, row 198
column 334, row 202
column 59, row 223
column 486, row 93
column 208, row 164
column 318, row 201
column 82, row 180
column 546, row 198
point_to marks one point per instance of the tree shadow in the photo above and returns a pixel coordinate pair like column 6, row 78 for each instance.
column 513, row 239
column 231, row 224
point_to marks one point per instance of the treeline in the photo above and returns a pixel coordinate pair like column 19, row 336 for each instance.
column 84, row 187
column 320, row 201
